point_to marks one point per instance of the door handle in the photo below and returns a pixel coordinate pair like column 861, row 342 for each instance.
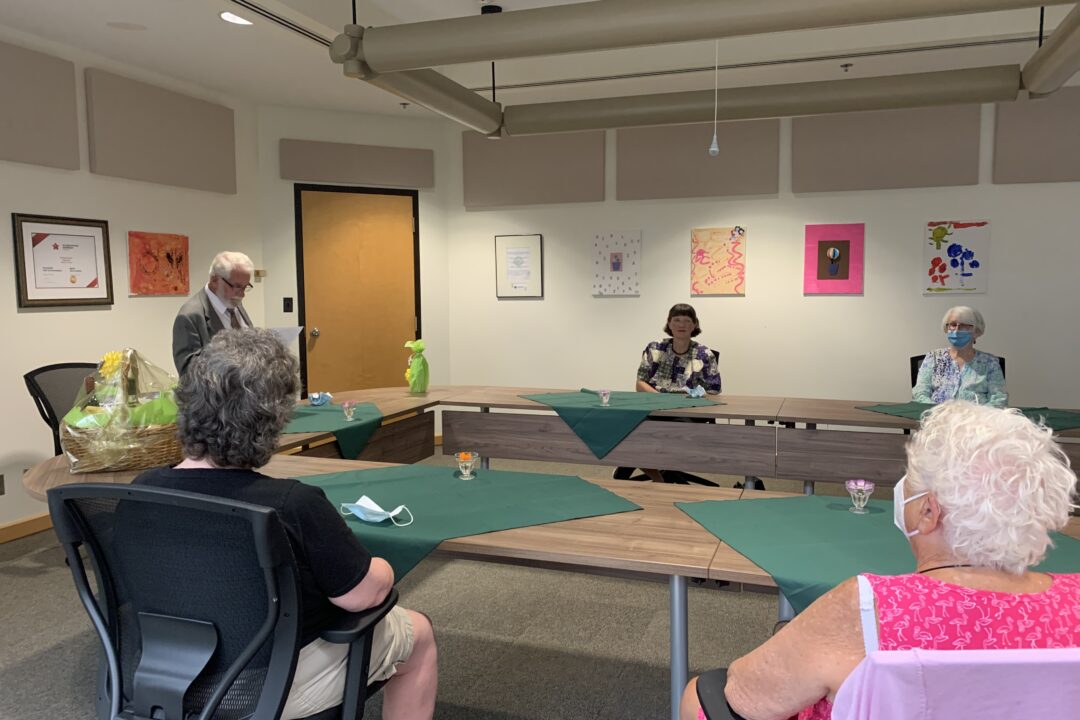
column 315, row 332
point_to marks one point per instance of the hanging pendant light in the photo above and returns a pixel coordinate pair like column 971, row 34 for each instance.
column 714, row 148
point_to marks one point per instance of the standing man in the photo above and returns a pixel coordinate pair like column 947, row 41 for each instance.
column 216, row 306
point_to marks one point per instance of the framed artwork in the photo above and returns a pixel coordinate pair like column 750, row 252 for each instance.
column 157, row 263
column 833, row 259
column 617, row 264
column 61, row 261
column 956, row 257
column 519, row 266
column 718, row 261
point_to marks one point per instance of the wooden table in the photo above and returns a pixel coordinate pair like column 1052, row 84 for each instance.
column 658, row 541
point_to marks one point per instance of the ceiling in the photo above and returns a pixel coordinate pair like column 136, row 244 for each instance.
column 265, row 63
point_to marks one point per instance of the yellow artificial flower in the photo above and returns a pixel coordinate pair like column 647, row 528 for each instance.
column 408, row 374
column 110, row 363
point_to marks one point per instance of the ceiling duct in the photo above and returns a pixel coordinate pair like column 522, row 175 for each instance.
column 951, row 87
column 610, row 24
column 1057, row 60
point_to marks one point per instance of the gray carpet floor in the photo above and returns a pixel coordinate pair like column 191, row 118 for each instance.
column 514, row 642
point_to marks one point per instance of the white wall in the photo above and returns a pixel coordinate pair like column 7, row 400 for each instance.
column 774, row 341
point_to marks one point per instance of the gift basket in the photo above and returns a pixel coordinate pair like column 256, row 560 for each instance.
column 124, row 417
column 417, row 372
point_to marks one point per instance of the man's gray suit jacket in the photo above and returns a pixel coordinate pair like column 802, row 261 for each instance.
column 195, row 324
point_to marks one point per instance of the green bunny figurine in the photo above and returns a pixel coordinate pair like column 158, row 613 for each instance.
column 417, row 373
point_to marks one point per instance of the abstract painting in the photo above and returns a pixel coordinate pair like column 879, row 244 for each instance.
column 617, row 264
column 158, row 263
column 718, row 261
column 833, row 260
column 955, row 257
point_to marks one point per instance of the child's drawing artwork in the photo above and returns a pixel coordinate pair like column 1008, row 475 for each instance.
column 617, row 264
column 956, row 256
column 833, row 260
column 718, row 261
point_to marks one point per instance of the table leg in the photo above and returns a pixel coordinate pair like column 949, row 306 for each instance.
column 680, row 658
column 786, row 612
column 808, row 487
column 485, row 461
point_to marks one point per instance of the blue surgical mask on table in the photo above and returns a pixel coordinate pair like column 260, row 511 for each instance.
column 959, row 338
column 898, row 503
column 369, row 511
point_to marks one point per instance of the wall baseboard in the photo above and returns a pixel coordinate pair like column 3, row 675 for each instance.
column 25, row 527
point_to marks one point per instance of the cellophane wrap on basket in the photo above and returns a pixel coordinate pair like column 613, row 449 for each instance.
column 417, row 373
column 124, row 417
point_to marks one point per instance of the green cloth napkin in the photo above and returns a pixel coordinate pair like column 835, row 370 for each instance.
column 352, row 436
column 602, row 428
column 1052, row 418
column 811, row 544
column 444, row 506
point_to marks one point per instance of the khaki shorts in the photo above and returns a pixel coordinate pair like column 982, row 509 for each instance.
column 319, row 682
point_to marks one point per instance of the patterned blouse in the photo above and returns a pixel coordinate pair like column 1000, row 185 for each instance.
column 980, row 380
column 668, row 372
column 915, row 611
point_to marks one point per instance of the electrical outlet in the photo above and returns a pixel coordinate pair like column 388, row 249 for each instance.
column 286, row 305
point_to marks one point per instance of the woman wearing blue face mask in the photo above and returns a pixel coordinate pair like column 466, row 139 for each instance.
column 960, row 372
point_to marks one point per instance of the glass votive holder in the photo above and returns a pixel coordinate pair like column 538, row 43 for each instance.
column 605, row 397
column 860, row 491
column 349, row 409
column 466, row 462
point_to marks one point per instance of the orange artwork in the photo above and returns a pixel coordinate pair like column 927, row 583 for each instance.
column 158, row 263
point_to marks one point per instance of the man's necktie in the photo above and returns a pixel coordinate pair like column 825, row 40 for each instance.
column 233, row 319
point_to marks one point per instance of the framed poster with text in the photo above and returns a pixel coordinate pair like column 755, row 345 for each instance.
column 61, row 261
column 519, row 266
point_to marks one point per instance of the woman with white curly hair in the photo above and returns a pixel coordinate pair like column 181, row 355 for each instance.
column 984, row 489
column 960, row 372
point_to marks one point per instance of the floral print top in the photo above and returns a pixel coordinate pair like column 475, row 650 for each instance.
column 668, row 372
column 915, row 611
column 980, row 381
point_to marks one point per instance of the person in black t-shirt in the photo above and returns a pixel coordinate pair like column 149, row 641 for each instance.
column 235, row 398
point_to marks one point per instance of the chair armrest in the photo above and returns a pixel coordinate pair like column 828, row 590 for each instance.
column 352, row 625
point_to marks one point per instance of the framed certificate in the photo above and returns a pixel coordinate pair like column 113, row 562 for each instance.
column 519, row 266
column 61, row 261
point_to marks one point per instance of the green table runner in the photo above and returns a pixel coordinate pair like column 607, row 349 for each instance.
column 444, row 506
column 1052, row 418
column 602, row 428
column 351, row 435
column 811, row 544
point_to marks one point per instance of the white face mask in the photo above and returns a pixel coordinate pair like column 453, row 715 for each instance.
column 898, row 503
column 369, row 511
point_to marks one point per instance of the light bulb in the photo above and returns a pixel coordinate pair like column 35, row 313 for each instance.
column 714, row 149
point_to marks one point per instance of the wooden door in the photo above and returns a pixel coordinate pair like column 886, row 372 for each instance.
column 359, row 277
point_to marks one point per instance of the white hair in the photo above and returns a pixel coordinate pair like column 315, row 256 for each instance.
column 967, row 316
column 226, row 262
column 1002, row 482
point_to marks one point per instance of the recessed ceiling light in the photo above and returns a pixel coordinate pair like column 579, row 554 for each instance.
column 234, row 19
column 125, row 26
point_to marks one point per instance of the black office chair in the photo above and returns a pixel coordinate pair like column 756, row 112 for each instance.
column 197, row 604
column 710, row 692
column 54, row 389
column 916, row 362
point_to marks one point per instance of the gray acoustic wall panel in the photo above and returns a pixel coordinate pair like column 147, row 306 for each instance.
column 143, row 132
column 1038, row 140
column 533, row 170
column 921, row 147
column 39, row 123
column 328, row 162
column 672, row 161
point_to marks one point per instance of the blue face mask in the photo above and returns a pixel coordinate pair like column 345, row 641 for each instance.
column 959, row 338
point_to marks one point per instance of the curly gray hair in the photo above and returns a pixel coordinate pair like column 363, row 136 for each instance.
column 236, row 397
column 226, row 262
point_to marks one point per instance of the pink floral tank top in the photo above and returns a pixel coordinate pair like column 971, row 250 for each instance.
column 915, row 611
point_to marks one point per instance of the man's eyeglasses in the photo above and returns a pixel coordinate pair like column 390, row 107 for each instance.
column 245, row 288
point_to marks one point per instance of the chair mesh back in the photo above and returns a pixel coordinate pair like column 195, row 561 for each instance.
column 59, row 386
column 184, row 563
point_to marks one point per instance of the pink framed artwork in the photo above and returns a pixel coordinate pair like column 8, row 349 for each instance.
column 833, row 262
column 158, row 263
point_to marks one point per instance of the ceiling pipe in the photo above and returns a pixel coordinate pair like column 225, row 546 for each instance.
column 1057, row 60
column 612, row 24
column 428, row 88
column 951, row 87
